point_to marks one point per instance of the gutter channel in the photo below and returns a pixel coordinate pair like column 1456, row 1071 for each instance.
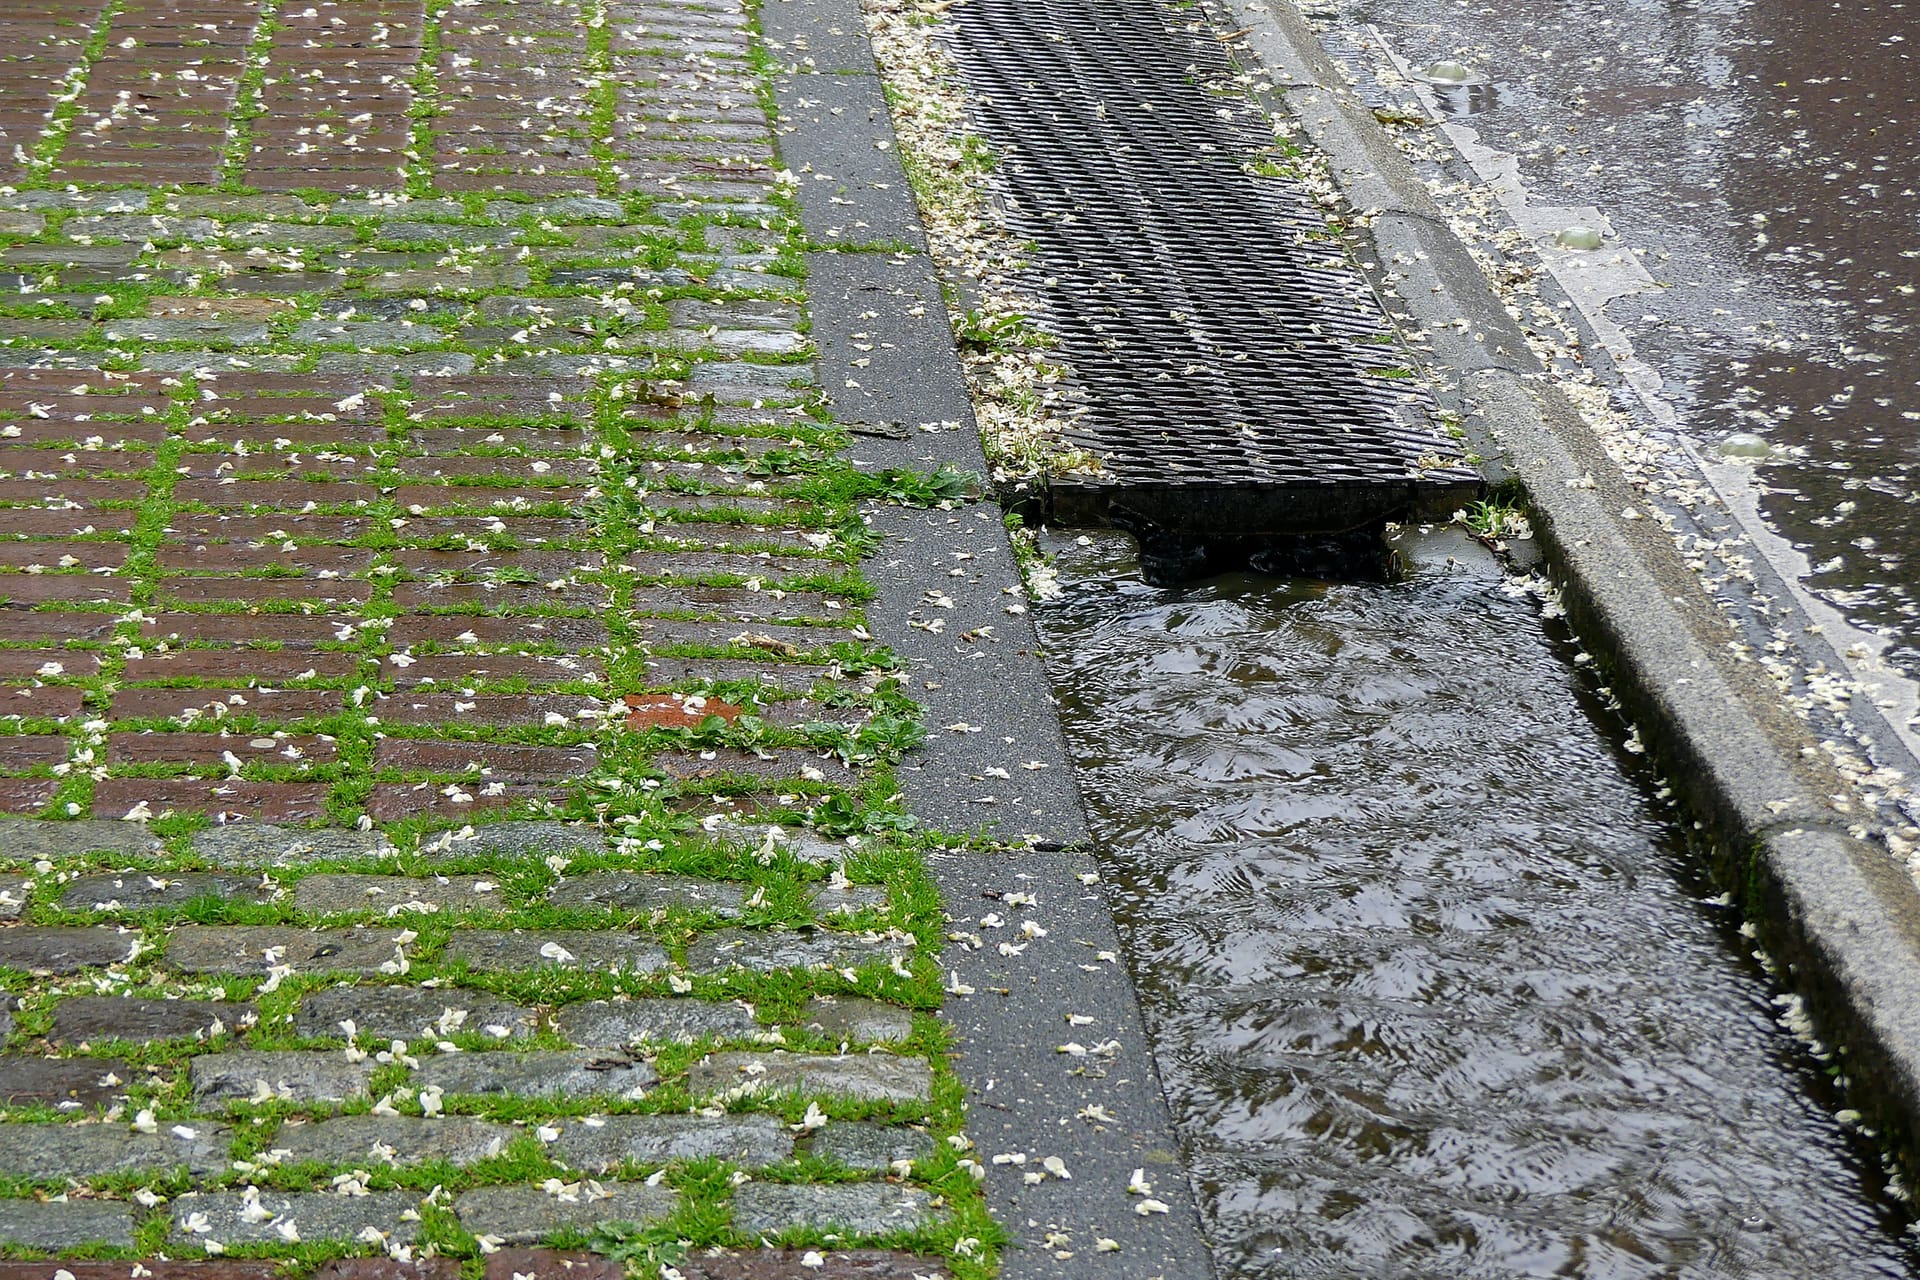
column 1834, row 908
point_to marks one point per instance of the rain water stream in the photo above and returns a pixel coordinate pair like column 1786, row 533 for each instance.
column 1433, row 985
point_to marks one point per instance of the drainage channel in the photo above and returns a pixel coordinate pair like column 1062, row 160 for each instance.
column 1433, row 985
column 1240, row 377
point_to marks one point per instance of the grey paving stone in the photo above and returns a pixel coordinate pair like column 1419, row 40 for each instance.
column 262, row 1075
column 843, row 899
column 652, row 1019
column 264, row 844
column 67, row 1225
column 566, row 1072
column 527, row 1215
column 91, row 1150
column 409, row 1013
column 599, row 1143
column 67, row 1083
column 870, row 1147
column 350, row 1140
column 41, row 949
column 868, row 1077
column 242, row 206
column 729, row 342
column 796, row 842
column 223, row 1216
column 764, row 950
column 287, row 234
column 433, row 364
column 27, row 838
column 511, row 951
column 184, row 329
column 138, row 890
column 858, row 1208
column 78, row 1019
column 483, row 278
column 14, row 891
column 357, row 208
column 368, row 333
column 519, row 839
column 140, row 227
column 857, row 1019
column 567, row 209
column 398, row 896
column 257, row 948
column 647, row 891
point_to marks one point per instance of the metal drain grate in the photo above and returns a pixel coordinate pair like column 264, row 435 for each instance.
column 1238, row 372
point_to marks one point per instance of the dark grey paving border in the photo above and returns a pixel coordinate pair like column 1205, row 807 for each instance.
column 1835, row 908
column 889, row 368
column 1032, row 1094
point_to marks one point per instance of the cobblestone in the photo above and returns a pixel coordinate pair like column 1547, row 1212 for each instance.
column 137, row 891
column 262, row 948
column 526, row 1215
column 397, row 895
column 79, row 1019
column 27, row 839
column 541, row 1073
column 867, row 1077
column 409, row 1013
column 600, row 1143
column 263, row 844
column 643, row 891
column 61, row 1082
column 376, row 1139
column 60, row 951
column 857, row 1020
column 53, row 1226
column 862, row 1208
column 461, row 529
column 765, row 951
column 615, row 1023
column 295, row 1076
column 504, row 951
column 89, row 1151
column 231, row 1217
column 871, row 1148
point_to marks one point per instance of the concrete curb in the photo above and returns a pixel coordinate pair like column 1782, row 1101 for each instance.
column 1835, row 909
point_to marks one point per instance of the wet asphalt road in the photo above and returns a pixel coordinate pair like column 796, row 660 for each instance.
column 1763, row 160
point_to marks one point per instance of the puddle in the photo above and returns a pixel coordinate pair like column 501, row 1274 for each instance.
column 1432, row 987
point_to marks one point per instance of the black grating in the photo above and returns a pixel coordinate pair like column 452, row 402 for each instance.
column 1221, row 339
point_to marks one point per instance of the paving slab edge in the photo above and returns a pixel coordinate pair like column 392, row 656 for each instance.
column 1833, row 909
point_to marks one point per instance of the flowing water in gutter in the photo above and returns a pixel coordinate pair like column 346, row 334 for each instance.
column 1433, row 984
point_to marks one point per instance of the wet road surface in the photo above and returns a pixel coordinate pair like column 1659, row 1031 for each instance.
column 1763, row 161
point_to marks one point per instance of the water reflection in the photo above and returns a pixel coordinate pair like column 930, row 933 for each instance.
column 1432, row 992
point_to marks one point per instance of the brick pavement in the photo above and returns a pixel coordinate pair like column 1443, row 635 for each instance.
column 427, row 582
